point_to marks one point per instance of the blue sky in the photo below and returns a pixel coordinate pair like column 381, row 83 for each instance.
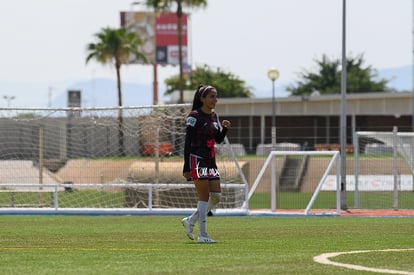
column 43, row 45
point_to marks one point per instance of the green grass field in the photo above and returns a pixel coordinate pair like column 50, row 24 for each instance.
column 158, row 245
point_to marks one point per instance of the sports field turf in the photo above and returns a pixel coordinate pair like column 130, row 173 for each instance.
column 158, row 245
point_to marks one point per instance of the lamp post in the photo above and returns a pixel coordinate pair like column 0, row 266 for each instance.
column 9, row 99
column 343, row 122
column 49, row 96
column 273, row 74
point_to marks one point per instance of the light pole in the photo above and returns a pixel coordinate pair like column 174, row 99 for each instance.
column 343, row 123
column 9, row 99
column 273, row 74
column 49, row 96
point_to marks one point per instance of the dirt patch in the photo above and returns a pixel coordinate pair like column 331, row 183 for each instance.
column 94, row 171
column 343, row 213
column 109, row 171
column 377, row 213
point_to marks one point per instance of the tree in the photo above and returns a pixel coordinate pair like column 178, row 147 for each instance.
column 327, row 79
column 226, row 83
column 165, row 5
column 115, row 47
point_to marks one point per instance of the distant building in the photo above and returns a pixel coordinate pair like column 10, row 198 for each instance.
column 315, row 119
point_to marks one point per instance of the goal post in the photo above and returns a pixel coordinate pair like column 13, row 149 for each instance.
column 74, row 160
column 301, row 176
column 383, row 169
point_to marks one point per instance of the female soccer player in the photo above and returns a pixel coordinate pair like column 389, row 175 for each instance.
column 202, row 132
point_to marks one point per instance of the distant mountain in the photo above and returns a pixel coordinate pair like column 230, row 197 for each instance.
column 100, row 92
column 103, row 93
column 400, row 78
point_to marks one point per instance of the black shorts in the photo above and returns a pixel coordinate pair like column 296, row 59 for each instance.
column 203, row 169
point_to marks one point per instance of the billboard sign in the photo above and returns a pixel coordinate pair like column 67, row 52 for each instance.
column 159, row 33
column 74, row 98
column 74, row 101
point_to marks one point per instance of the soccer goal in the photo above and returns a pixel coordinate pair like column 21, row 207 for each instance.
column 104, row 161
column 383, row 170
column 297, row 183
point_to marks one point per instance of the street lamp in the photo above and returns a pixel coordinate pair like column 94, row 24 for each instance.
column 49, row 96
column 273, row 75
column 8, row 99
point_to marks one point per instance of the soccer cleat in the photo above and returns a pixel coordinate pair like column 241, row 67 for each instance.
column 205, row 240
column 188, row 228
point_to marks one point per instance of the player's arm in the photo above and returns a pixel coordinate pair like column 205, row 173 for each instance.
column 221, row 135
column 189, row 135
column 225, row 125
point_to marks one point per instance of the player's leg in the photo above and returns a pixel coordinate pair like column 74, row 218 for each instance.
column 203, row 191
column 215, row 194
column 213, row 200
column 202, row 177
column 193, row 218
column 188, row 222
column 189, row 227
column 202, row 188
column 214, row 186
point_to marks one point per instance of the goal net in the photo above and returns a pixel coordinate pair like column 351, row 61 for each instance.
column 104, row 160
column 298, row 183
column 383, row 170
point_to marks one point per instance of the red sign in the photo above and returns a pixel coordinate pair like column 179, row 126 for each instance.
column 166, row 29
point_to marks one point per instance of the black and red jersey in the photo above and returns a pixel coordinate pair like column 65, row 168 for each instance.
column 202, row 132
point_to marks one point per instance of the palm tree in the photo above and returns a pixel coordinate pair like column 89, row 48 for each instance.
column 116, row 46
column 165, row 5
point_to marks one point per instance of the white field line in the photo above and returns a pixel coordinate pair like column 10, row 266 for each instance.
column 324, row 259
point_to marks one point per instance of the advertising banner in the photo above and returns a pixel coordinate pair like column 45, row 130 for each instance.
column 159, row 33
column 142, row 23
column 74, row 98
column 167, row 38
column 381, row 183
column 74, row 101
